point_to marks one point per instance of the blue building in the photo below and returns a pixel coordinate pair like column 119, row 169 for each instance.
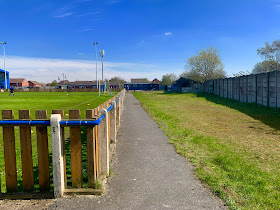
column 142, row 84
column 2, row 79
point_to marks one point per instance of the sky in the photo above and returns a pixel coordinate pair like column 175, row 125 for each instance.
column 141, row 38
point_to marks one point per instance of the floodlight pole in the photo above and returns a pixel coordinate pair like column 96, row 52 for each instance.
column 3, row 43
column 96, row 62
column 101, row 53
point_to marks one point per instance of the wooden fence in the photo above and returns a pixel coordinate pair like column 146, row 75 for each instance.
column 263, row 89
column 99, row 138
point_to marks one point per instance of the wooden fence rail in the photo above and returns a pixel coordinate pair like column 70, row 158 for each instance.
column 99, row 137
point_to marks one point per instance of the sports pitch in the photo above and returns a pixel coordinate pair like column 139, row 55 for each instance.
column 51, row 100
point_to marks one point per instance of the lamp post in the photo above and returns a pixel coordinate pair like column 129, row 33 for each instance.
column 95, row 43
column 102, row 53
column 3, row 43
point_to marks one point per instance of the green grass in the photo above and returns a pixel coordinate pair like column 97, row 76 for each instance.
column 47, row 101
column 234, row 146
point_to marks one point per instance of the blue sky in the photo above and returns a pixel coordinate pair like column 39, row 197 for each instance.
column 141, row 38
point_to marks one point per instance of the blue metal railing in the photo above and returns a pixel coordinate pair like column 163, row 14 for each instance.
column 62, row 122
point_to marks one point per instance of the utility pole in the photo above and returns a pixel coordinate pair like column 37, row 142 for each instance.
column 3, row 43
column 102, row 53
column 96, row 62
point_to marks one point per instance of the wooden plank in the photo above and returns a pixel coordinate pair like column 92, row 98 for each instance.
column 43, row 153
column 97, row 159
column 83, row 191
column 26, row 196
column 9, row 153
column 91, row 150
column 61, row 112
column 76, row 151
column 26, row 153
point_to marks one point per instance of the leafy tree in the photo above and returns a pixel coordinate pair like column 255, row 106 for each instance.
column 54, row 83
column 271, row 53
column 168, row 79
column 265, row 66
column 117, row 79
column 145, row 80
column 205, row 65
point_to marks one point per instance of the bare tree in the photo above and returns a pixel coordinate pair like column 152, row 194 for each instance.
column 204, row 66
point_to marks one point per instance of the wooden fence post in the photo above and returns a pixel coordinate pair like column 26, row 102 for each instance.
column 9, row 153
column 61, row 112
column 57, row 156
column 113, row 125
column 43, row 152
column 76, row 151
column 104, row 144
column 91, row 150
column 26, row 153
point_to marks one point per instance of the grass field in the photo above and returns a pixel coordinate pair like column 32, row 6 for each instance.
column 45, row 101
column 235, row 147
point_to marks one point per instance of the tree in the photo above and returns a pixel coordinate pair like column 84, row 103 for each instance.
column 271, row 53
column 265, row 66
column 117, row 79
column 54, row 83
column 205, row 65
column 168, row 79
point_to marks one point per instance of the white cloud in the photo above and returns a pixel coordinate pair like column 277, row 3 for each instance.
column 46, row 70
column 86, row 29
column 167, row 33
column 88, row 13
column 63, row 15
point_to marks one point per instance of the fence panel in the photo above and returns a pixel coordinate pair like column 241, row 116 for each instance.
column 76, row 151
column 9, row 153
column 26, row 153
column 43, row 152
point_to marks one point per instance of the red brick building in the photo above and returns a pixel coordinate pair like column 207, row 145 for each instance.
column 19, row 82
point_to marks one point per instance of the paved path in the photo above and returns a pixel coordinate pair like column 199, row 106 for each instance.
column 147, row 172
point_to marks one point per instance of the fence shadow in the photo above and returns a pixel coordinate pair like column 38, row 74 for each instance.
column 268, row 116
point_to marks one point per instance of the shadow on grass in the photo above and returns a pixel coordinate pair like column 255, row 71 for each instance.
column 268, row 116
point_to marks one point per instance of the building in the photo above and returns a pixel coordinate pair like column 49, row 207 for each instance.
column 141, row 84
column 19, row 82
column 155, row 81
column 79, row 85
column 35, row 84
column 185, row 85
column 2, row 79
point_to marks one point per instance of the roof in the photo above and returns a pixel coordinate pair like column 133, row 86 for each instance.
column 155, row 81
column 17, row 80
column 139, row 80
column 36, row 83
column 114, row 82
column 81, row 83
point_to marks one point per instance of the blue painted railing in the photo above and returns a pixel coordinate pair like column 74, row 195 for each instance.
column 62, row 122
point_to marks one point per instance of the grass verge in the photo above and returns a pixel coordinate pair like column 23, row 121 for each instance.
column 234, row 147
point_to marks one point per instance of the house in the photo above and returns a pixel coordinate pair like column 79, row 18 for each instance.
column 141, row 84
column 185, row 85
column 79, row 85
column 35, row 84
column 18, row 82
column 155, row 81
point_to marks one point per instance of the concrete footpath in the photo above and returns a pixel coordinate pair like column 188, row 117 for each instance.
column 147, row 173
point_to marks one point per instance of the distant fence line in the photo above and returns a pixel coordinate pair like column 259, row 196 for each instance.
column 263, row 89
column 63, row 90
